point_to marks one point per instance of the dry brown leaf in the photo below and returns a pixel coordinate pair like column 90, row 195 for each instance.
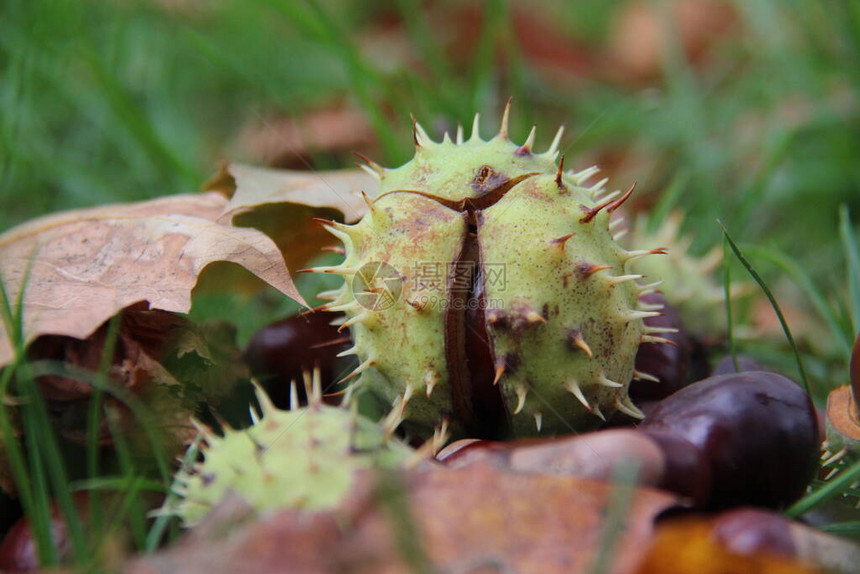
column 470, row 520
column 283, row 203
column 339, row 189
column 88, row 264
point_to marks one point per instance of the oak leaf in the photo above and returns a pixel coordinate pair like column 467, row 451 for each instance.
column 79, row 268
column 283, row 203
column 337, row 189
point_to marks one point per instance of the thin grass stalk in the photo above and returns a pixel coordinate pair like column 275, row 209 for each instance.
column 41, row 437
column 131, row 503
column 727, row 295
column 94, row 418
column 766, row 290
column 40, row 519
column 26, row 470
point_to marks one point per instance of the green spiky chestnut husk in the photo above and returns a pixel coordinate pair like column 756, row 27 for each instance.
column 303, row 458
column 541, row 335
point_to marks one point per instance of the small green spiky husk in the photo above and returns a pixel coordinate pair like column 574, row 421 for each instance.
column 688, row 282
column 305, row 458
column 562, row 308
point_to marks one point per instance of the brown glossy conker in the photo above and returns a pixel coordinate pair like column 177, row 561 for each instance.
column 756, row 430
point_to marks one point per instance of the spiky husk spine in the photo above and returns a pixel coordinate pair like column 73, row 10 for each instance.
column 561, row 305
column 304, row 458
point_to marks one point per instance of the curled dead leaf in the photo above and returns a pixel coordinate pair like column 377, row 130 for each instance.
column 86, row 265
column 339, row 189
column 282, row 204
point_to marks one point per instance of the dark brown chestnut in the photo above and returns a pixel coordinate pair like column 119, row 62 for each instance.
column 18, row 551
column 685, row 471
column 668, row 362
column 757, row 431
column 283, row 351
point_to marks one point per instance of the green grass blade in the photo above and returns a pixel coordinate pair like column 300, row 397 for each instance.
column 94, row 418
column 14, row 451
column 147, row 419
column 42, row 438
column 833, row 488
column 851, row 528
column 727, row 295
column 130, row 505
column 776, row 308
column 28, row 470
column 40, row 519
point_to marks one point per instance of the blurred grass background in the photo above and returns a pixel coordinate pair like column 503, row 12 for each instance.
column 744, row 111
